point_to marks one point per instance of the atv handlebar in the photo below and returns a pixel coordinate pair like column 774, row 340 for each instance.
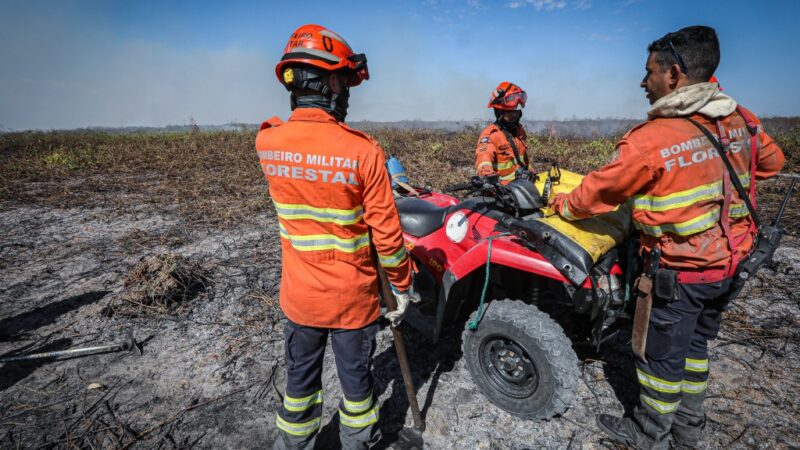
column 458, row 187
column 519, row 198
column 475, row 183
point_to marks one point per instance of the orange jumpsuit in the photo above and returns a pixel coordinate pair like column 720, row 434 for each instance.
column 677, row 183
column 494, row 153
column 332, row 196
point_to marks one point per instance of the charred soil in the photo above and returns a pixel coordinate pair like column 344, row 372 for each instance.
column 172, row 237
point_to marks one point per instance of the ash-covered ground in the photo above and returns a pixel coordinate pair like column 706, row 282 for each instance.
column 211, row 375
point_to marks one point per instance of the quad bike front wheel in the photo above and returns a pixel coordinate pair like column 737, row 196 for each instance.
column 521, row 360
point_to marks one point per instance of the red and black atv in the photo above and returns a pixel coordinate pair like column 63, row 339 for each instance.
column 490, row 256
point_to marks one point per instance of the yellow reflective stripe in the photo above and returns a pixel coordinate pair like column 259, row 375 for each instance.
column 694, row 387
column 302, row 404
column 393, row 260
column 678, row 199
column 505, row 165
column 658, row 384
column 659, row 406
column 358, row 407
column 485, row 163
column 745, row 178
column 510, row 176
column 738, row 210
column 696, row 365
column 687, row 228
column 288, row 211
column 298, row 429
column 359, row 421
column 314, row 242
column 684, row 198
column 565, row 212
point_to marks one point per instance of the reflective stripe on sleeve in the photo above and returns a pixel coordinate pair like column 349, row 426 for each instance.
column 359, row 421
column 301, row 404
column 393, row 260
column 297, row 429
column 659, row 406
column 486, row 163
column 694, row 387
column 687, row 228
column 510, row 176
column 505, row 165
column 357, row 407
column 658, row 384
column 696, row 365
column 565, row 212
column 315, row 242
column 289, row 211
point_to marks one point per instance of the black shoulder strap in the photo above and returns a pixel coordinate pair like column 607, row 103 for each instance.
column 510, row 138
column 723, row 154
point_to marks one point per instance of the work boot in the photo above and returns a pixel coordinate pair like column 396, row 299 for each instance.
column 625, row 431
column 686, row 435
column 286, row 441
column 690, row 420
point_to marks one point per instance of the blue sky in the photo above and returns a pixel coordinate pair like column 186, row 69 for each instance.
column 68, row 64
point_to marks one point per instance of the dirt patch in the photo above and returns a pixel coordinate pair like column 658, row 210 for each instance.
column 212, row 376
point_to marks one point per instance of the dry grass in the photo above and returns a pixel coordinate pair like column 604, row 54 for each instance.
column 213, row 178
column 159, row 284
column 207, row 177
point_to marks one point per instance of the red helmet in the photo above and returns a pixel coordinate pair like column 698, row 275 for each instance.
column 508, row 96
column 317, row 46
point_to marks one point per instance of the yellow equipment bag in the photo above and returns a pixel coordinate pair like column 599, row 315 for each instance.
column 575, row 247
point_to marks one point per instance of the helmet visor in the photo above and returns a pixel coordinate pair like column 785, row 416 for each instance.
column 514, row 99
column 358, row 65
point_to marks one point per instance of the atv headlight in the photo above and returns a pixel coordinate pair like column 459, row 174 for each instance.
column 456, row 229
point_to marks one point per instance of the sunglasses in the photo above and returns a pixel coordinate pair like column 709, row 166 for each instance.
column 677, row 56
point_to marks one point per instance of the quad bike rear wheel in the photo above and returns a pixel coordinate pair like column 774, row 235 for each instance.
column 521, row 360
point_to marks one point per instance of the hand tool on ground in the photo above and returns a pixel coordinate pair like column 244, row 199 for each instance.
column 400, row 348
column 128, row 344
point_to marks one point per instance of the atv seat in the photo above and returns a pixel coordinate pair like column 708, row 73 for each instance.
column 418, row 217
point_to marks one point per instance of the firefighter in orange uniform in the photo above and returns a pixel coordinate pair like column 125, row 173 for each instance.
column 688, row 212
column 501, row 146
column 333, row 197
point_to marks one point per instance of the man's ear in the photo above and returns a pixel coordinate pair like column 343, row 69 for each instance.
column 335, row 83
column 675, row 75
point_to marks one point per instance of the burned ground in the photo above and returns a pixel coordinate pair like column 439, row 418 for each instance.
column 82, row 215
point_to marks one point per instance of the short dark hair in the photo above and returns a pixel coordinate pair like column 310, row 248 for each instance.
column 695, row 49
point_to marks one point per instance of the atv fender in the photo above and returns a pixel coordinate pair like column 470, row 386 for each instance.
column 505, row 252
